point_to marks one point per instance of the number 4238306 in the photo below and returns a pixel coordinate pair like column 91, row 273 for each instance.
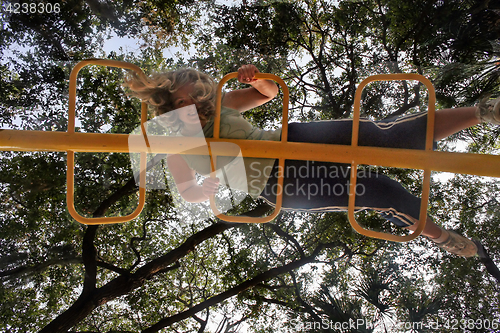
column 33, row 8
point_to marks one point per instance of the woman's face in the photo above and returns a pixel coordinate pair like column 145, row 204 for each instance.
column 181, row 99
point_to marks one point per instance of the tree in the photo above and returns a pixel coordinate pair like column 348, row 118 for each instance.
column 336, row 42
column 170, row 272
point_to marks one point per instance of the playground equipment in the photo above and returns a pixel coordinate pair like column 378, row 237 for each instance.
column 426, row 160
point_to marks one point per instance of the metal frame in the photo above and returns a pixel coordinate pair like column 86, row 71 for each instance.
column 281, row 160
column 429, row 140
column 70, row 170
column 427, row 160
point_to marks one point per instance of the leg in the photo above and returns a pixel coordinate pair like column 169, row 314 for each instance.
column 431, row 229
column 322, row 187
column 407, row 132
column 402, row 132
column 450, row 121
column 387, row 196
column 448, row 240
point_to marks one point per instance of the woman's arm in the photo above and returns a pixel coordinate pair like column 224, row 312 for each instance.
column 185, row 181
column 262, row 91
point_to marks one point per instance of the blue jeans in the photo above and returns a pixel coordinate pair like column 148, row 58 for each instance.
column 323, row 186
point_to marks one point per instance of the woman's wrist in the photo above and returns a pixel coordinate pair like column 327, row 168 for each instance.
column 267, row 88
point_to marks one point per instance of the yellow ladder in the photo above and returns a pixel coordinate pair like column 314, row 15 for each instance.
column 427, row 160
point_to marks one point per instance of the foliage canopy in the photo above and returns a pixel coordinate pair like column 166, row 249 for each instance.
column 169, row 272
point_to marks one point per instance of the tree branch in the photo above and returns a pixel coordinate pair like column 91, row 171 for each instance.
column 29, row 270
column 92, row 297
column 283, row 234
column 132, row 245
column 260, row 278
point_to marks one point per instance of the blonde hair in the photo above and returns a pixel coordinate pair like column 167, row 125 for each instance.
column 157, row 89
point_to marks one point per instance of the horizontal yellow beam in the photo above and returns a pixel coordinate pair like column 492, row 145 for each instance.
column 477, row 164
column 17, row 140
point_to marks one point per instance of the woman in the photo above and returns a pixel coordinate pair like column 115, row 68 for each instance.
column 186, row 98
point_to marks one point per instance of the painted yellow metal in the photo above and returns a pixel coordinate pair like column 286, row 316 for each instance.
column 70, row 179
column 424, row 200
column 427, row 160
column 281, row 160
column 474, row 164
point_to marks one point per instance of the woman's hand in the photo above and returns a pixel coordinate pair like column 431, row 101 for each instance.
column 210, row 186
column 260, row 92
column 246, row 74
